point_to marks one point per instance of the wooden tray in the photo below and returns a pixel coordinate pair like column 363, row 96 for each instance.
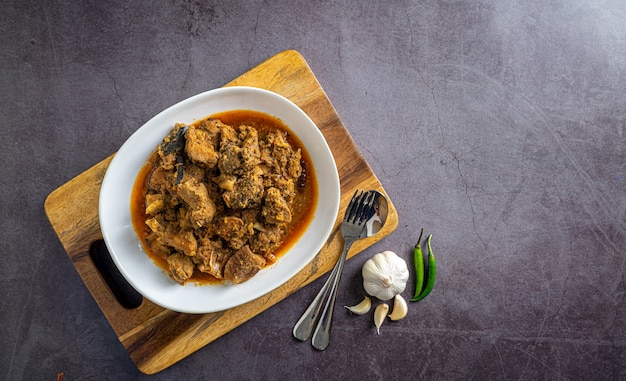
column 155, row 337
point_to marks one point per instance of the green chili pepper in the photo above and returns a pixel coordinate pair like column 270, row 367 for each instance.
column 418, row 263
column 432, row 273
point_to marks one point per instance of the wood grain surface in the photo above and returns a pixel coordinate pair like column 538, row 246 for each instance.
column 156, row 338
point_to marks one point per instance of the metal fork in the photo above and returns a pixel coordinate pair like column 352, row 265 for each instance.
column 359, row 210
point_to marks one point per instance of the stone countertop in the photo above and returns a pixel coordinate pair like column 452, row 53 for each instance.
column 496, row 126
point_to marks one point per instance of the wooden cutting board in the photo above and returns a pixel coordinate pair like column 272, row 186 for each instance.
column 155, row 337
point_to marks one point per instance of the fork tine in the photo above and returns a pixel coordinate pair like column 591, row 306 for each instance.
column 359, row 207
column 365, row 208
column 353, row 205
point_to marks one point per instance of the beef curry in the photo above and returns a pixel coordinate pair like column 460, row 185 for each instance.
column 224, row 197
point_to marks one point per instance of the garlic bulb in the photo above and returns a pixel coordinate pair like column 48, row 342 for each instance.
column 380, row 313
column 385, row 275
column 361, row 308
column 400, row 308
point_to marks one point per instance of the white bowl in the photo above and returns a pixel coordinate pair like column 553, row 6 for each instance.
column 127, row 251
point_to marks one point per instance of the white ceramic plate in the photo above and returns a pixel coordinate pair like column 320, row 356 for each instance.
column 125, row 248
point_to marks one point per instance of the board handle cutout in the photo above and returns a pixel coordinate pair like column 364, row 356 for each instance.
column 125, row 294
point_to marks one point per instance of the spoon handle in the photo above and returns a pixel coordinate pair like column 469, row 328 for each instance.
column 321, row 335
column 304, row 327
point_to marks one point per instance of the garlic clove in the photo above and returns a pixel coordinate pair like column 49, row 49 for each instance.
column 380, row 313
column 361, row 308
column 400, row 308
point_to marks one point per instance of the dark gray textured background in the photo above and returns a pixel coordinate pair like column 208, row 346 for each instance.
column 496, row 125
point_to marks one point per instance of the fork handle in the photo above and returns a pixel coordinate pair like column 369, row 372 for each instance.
column 304, row 327
column 321, row 335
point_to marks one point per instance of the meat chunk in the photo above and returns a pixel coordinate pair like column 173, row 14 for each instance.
column 250, row 151
column 173, row 143
column 239, row 154
column 160, row 180
column 201, row 145
column 196, row 196
column 154, row 203
column 180, row 267
column 267, row 241
column 243, row 265
column 213, row 127
column 155, row 224
column 286, row 186
column 230, row 159
column 293, row 167
column 233, row 230
column 228, row 136
column 194, row 172
column 247, row 191
column 280, row 154
column 275, row 209
column 157, row 245
column 211, row 257
column 226, row 182
column 280, row 163
column 183, row 241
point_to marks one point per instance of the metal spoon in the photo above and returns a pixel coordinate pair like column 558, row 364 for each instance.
column 303, row 328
